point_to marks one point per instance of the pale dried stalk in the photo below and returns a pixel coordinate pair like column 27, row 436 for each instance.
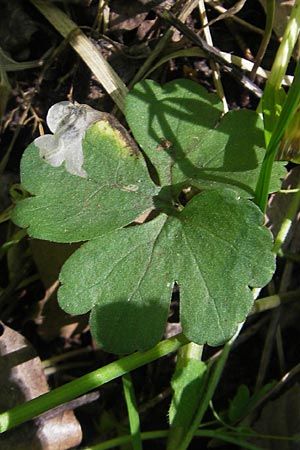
column 111, row 82
column 214, row 66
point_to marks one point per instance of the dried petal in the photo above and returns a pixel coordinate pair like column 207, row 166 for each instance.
column 69, row 123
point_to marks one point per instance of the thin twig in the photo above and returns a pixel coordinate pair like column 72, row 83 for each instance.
column 266, row 38
column 228, row 13
column 109, row 79
column 211, row 52
column 163, row 42
column 235, row 18
column 213, row 64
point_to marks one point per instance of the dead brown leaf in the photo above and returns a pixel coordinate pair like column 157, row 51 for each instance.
column 126, row 15
column 22, row 379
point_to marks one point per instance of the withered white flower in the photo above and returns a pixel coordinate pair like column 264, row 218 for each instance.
column 68, row 123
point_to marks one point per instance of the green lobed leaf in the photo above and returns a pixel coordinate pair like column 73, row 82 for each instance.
column 68, row 208
column 177, row 127
column 214, row 249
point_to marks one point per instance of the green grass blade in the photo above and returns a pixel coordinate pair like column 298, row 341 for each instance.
column 277, row 109
column 133, row 414
column 86, row 383
column 288, row 111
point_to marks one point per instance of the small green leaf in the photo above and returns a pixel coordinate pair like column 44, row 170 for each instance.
column 242, row 403
column 214, row 249
column 177, row 127
column 239, row 403
column 69, row 208
column 187, row 382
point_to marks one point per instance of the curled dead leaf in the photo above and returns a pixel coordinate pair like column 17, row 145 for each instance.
column 22, row 379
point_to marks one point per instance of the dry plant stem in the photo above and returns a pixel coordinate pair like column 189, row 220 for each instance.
column 273, row 301
column 211, row 52
column 46, row 363
column 287, row 223
column 73, row 404
column 274, row 327
column 22, row 120
column 280, row 351
column 214, row 66
column 101, row 16
column 228, row 12
column 54, row 370
column 8, row 64
column 266, row 38
column 111, row 82
column 159, row 398
column 241, row 63
column 272, row 393
column 242, row 22
column 267, row 349
column 186, row 11
column 286, row 379
column 244, row 64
